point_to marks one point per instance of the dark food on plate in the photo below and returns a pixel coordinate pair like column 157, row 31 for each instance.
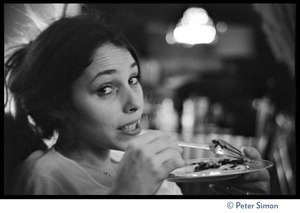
column 205, row 167
column 202, row 165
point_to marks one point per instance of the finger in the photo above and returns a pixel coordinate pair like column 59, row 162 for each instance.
column 259, row 188
column 150, row 135
column 256, row 182
column 251, row 153
column 249, row 178
column 262, row 175
column 219, row 190
column 222, row 189
column 146, row 138
column 169, row 160
column 159, row 146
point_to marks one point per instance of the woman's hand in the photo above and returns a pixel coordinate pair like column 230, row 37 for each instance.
column 147, row 162
column 254, row 183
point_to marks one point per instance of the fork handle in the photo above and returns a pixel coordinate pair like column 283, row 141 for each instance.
column 194, row 145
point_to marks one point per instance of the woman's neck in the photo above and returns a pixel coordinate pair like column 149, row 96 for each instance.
column 91, row 155
column 84, row 153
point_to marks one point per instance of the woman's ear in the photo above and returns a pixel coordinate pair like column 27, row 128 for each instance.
column 59, row 115
column 62, row 112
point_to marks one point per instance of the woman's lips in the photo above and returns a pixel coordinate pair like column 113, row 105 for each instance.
column 131, row 129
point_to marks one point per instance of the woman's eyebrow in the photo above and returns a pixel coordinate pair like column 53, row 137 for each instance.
column 106, row 72
column 133, row 65
column 109, row 72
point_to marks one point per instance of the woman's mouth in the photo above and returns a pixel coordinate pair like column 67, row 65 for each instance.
column 131, row 128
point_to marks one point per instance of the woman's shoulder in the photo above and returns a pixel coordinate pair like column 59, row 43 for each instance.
column 45, row 163
column 47, row 172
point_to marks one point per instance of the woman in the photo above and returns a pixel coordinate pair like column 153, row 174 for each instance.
column 80, row 79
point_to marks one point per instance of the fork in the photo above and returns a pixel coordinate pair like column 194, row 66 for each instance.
column 216, row 146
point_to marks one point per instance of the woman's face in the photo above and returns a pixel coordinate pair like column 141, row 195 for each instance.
column 108, row 100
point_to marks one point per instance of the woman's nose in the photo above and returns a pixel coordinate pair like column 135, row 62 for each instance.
column 132, row 102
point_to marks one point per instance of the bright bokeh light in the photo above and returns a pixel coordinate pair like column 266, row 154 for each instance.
column 166, row 116
column 203, row 34
column 222, row 27
column 194, row 16
column 188, row 116
column 195, row 27
column 170, row 37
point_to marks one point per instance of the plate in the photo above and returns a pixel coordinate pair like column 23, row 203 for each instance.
column 187, row 174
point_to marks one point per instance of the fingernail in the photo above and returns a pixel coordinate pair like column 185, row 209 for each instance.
column 243, row 149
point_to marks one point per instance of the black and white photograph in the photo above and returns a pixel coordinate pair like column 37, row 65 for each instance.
column 150, row 100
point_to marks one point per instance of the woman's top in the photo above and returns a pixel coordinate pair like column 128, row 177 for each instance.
column 51, row 173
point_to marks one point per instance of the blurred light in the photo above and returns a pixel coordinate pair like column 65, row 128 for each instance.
column 188, row 116
column 170, row 38
column 195, row 16
column 222, row 27
column 151, row 68
column 166, row 116
column 195, row 27
column 202, row 34
column 255, row 103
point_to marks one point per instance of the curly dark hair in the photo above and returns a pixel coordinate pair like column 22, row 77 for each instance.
column 40, row 74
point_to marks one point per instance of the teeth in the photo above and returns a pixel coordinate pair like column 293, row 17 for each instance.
column 130, row 127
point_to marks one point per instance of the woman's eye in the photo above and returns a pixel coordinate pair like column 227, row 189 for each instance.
column 105, row 90
column 134, row 80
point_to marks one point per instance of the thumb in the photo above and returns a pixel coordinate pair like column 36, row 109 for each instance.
column 251, row 153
